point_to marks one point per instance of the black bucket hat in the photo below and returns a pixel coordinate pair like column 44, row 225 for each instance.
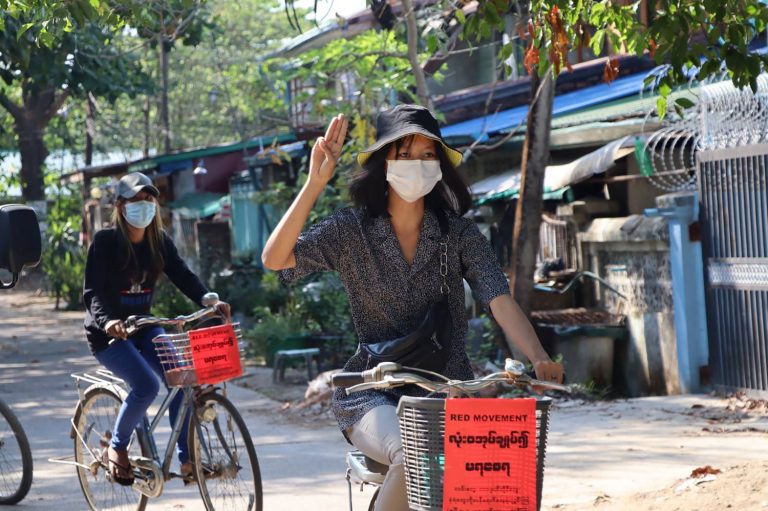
column 405, row 120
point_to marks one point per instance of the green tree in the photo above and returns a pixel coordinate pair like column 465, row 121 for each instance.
column 218, row 89
column 39, row 80
column 162, row 24
column 53, row 18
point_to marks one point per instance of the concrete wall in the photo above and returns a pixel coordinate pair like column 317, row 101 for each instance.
column 632, row 255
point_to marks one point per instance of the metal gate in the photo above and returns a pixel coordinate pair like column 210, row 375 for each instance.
column 733, row 189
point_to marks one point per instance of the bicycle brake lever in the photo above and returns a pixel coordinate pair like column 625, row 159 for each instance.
column 527, row 380
column 383, row 383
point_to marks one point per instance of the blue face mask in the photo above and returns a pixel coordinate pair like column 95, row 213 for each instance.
column 139, row 214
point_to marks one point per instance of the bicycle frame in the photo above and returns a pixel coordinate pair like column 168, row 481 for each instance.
column 212, row 456
column 146, row 430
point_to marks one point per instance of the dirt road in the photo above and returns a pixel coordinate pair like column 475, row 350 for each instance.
column 39, row 348
column 631, row 455
column 638, row 454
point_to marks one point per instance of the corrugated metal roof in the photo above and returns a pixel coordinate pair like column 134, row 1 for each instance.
column 633, row 106
column 501, row 122
column 260, row 142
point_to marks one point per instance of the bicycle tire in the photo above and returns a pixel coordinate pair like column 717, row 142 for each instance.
column 10, row 491
column 215, row 450
column 372, row 505
column 96, row 418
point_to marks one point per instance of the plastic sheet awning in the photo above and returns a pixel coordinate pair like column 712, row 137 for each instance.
column 596, row 162
column 557, row 178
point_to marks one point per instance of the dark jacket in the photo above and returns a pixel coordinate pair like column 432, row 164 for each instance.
column 112, row 292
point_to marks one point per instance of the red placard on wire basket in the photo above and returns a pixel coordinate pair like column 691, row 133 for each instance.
column 490, row 455
column 215, row 354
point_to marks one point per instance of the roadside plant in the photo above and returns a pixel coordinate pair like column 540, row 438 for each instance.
column 63, row 258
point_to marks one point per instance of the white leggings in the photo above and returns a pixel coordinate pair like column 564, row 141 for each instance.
column 377, row 435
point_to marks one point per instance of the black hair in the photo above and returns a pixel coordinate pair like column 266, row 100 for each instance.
column 368, row 189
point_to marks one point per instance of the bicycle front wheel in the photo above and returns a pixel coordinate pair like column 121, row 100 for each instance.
column 15, row 458
column 94, row 424
column 224, row 458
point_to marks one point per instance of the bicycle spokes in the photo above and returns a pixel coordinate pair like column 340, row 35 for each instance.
column 225, row 461
column 11, row 467
column 93, row 430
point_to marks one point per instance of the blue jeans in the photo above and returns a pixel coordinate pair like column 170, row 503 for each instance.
column 135, row 361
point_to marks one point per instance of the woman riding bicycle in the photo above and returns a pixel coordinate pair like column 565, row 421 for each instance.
column 121, row 271
column 409, row 201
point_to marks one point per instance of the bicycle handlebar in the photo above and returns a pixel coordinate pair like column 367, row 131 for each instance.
column 209, row 301
column 388, row 375
column 345, row 380
column 133, row 323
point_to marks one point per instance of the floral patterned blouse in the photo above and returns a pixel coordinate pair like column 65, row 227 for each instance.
column 388, row 297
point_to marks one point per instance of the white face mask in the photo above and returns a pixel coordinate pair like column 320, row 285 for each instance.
column 139, row 214
column 413, row 179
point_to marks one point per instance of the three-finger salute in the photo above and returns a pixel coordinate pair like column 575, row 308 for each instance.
column 327, row 150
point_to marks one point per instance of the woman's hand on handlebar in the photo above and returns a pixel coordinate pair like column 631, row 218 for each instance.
column 225, row 310
column 116, row 328
column 549, row 371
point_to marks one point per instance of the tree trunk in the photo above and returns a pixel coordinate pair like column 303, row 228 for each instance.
column 33, row 153
column 413, row 54
column 163, row 49
column 29, row 123
column 525, row 237
column 145, row 141
column 90, row 129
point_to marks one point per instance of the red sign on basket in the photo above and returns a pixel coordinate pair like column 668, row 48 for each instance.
column 490, row 455
column 215, row 354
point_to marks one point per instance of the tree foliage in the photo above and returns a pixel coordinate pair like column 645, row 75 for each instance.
column 54, row 18
column 690, row 38
column 38, row 79
column 81, row 61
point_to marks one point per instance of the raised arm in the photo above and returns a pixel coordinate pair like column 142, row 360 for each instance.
column 278, row 252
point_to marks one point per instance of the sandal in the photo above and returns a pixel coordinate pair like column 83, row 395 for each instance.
column 120, row 466
column 187, row 471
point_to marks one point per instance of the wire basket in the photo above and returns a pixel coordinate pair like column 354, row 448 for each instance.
column 175, row 354
column 422, row 430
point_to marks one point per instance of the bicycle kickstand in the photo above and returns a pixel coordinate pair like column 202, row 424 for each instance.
column 349, row 487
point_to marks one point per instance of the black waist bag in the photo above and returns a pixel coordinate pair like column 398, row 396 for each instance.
column 428, row 347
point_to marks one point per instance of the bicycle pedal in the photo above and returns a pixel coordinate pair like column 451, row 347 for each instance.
column 176, row 475
column 142, row 462
column 93, row 467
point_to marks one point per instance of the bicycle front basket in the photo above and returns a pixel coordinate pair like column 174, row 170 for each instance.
column 422, row 430
column 175, row 354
